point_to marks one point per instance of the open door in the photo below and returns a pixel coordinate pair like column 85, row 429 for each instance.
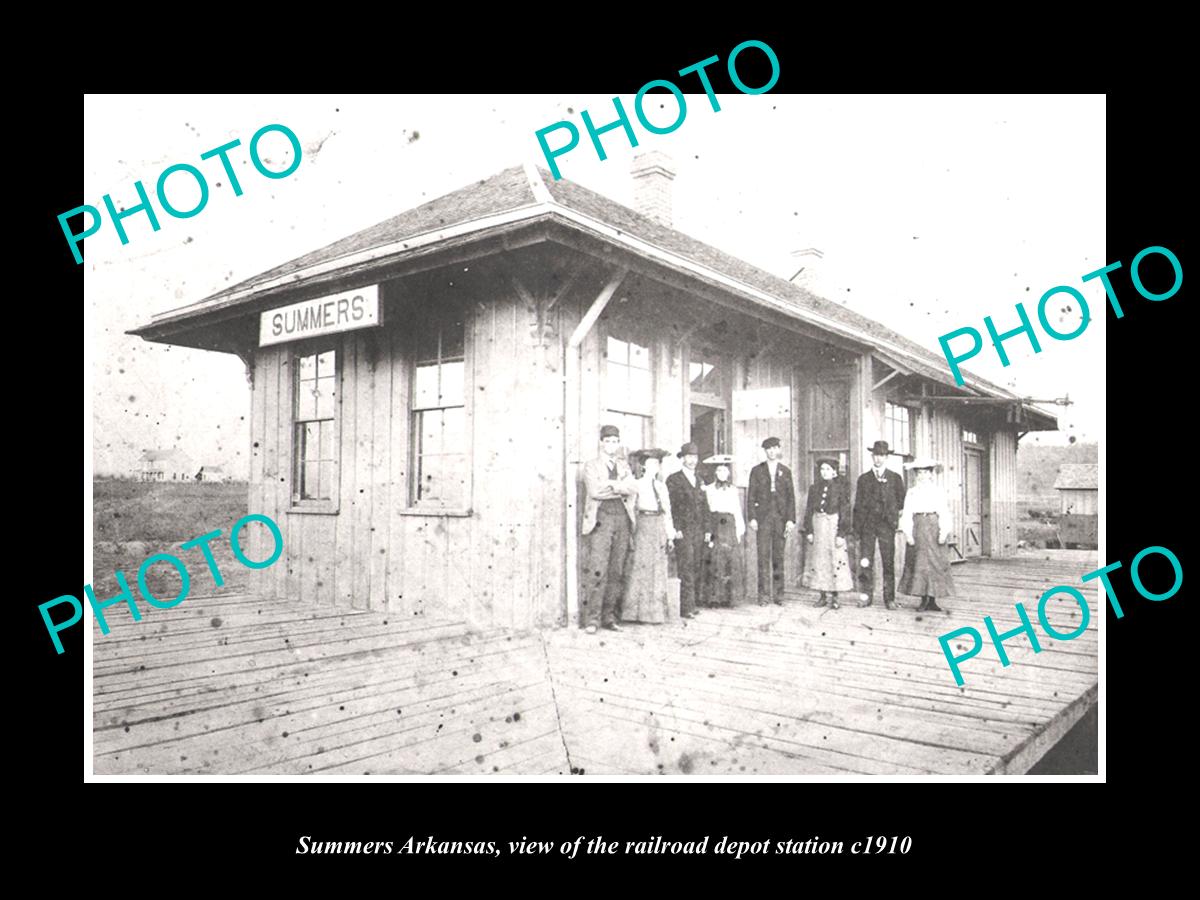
column 971, row 541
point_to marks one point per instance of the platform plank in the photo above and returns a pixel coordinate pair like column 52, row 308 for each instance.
column 235, row 684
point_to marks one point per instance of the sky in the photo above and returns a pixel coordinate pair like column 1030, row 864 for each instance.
column 931, row 212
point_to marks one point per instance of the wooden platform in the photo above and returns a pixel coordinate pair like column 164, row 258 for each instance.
column 234, row 684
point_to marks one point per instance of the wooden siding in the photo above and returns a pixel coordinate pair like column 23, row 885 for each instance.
column 1079, row 502
column 498, row 566
column 944, row 433
column 1002, row 474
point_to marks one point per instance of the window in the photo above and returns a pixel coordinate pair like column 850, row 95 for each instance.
column 897, row 429
column 970, row 437
column 629, row 382
column 439, row 440
column 704, row 374
column 314, row 440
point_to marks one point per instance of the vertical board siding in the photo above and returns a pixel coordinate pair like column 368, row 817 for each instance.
column 947, row 447
column 363, row 490
column 342, row 549
column 502, row 565
column 1002, row 472
column 379, row 523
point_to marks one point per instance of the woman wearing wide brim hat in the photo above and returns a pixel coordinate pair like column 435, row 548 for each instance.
column 723, row 581
column 926, row 523
column 826, row 524
column 648, row 597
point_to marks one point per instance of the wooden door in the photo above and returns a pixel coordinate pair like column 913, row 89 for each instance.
column 971, row 542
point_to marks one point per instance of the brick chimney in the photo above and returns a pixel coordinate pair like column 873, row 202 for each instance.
column 653, row 173
column 808, row 274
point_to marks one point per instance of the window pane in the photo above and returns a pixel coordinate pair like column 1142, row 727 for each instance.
column 429, row 432
column 326, row 397
column 704, row 378
column 310, row 480
column 452, row 339
column 326, row 489
column 427, row 346
column 452, row 383
column 306, row 401
column 454, row 480
column 325, row 364
column 454, row 430
column 639, row 391
column 429, row 480
column 327, row 451
column 617, row 385
column 307, row 366
column 426, row 390
column 311, row 445
column 618, row 351
column 639, row 356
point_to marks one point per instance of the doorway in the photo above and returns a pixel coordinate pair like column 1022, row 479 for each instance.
column 973, row 500
column 708, row 429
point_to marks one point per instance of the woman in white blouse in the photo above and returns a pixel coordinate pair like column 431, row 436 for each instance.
column 726, row 526
column 647, row 594
column 926, row 523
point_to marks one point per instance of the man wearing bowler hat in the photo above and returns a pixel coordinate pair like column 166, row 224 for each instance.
column 877, row 503
column 689, row 510
column 771, row 512
column 609, row 517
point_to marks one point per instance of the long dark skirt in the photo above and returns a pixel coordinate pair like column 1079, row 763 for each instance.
column 927, row 563
column 648, row 597
column 723, row 577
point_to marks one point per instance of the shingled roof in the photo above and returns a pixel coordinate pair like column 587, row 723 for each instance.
column 1077, row 476
column 482, row 204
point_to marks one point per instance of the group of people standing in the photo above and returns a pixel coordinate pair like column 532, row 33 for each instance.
column 632, row 520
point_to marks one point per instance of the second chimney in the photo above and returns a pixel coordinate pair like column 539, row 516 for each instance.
column 653, row 173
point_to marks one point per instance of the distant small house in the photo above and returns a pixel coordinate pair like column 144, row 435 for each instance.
column 165, row 465
column 1078, row 486
column 216, row 474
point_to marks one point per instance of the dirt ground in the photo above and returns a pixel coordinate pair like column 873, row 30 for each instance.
column 132, row 521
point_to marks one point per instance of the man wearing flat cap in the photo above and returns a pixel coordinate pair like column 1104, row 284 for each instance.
column 771, row 512
column 689, row 510
column 609, row 517
column 877, row 503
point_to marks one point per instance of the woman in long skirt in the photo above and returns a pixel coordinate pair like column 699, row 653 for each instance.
column 723, row 582
column 826, row 523
column 926, row 523
column 648, row 597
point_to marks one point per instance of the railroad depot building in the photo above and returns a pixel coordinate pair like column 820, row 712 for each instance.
column 425, row 391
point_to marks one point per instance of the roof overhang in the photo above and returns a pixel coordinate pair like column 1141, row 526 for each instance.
column 192, row 325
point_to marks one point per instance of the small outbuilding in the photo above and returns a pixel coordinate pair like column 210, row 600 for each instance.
column 1079, row 508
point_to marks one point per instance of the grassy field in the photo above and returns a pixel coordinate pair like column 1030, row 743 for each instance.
column 133, row 520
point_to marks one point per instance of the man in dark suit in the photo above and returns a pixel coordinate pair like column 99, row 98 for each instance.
column 771, row 512
column 689, row 511
column 877, row 503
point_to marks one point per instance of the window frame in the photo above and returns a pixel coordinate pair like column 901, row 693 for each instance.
column 296, row 352
column 888, row 421
column 615, row 415
column 413, row 505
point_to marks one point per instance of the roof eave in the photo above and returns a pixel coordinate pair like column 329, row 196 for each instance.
column 367, row 263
